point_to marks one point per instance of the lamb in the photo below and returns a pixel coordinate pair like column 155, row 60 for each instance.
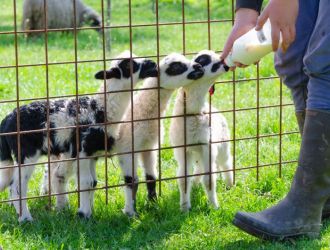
column 175, row 71
column 60, row 14
column 198, row 131
column 64, row 113
column 117, row 103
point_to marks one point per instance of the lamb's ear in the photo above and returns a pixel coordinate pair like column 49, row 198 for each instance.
column 108, row 74
column 212, row 90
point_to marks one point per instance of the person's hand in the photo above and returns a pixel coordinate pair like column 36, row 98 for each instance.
column 245, row 20
column 282, row 15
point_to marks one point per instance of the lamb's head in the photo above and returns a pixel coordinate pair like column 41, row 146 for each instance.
column 120, row 69
column 212, row 65
column 177, row 71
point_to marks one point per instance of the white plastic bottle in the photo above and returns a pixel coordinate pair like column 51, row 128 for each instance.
column 251, row 47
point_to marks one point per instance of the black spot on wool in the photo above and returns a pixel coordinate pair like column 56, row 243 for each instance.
column 203, row 60
column 99, row 116
column 125, row 67
column 134, row 187
column 151, row 186
column 72, row 108
column 176, row 68
column 93, row 141
column 107, row 74
column 148, row 69
column 94, row 105
column 34, row 117
column 94, row 183
column 215, row 67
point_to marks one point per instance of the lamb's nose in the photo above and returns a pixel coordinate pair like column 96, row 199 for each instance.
column 197, row 66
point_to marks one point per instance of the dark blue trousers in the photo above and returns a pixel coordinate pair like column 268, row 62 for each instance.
column 305, row 67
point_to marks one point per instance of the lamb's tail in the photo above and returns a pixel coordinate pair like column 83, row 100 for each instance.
column 6, row 160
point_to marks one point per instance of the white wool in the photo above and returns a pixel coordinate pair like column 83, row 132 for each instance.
column 147, row 104
column 198, row 131
column 60, row 14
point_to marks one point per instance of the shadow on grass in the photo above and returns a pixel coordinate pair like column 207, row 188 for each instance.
column 300, row 243
column 108, row 228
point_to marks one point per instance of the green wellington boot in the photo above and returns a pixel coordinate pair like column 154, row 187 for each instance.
column 300, row 115
column 299, row 213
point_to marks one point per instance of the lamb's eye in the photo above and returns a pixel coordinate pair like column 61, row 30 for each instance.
column 125, row 67
column 203, row 60
column 176, row 68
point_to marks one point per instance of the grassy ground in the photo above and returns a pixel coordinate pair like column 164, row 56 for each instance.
column 161, row 225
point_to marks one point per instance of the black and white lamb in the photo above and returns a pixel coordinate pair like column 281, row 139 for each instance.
column 60, row 14
column 66, row 113
column 198, row 131
column 175, row 71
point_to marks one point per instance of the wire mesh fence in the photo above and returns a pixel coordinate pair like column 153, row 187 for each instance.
column 49, row 64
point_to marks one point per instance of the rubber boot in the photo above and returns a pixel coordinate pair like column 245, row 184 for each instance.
column 300, row 115
column 299, row 213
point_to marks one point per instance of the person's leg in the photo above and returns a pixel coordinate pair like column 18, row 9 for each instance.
column 299, row 213
column 289, row 65
column 318, row 68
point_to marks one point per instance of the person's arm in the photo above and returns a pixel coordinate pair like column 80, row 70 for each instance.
column 245, row 20
column 249, row 4
column 281, row 13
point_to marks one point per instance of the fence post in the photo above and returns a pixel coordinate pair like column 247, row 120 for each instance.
column 108, row 31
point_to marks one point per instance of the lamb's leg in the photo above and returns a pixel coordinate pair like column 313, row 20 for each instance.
column 26, row 173
column 6, row 174
column 148, row 160
column 184, row 187
column 60, row 175
column 92, row 167
column 86, row 182
column 44, row 186
column 27, row 16
column 207, row 178
column 131, row 181
column 225, row 163
column 44, row 189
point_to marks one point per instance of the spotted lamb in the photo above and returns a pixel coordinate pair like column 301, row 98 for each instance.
column 65, row 113
column 198, row 131
column 175, row 71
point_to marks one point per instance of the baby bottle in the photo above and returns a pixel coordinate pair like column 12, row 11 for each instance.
column 251, row 47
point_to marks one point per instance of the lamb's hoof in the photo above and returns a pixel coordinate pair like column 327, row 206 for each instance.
column 48, row 207
column 215, row 207
column 63, row 206
column 131, row 213
column 185, row 207
column 82, row 215
column 44, row 191
column 152, row 197
column 25, row 219
column 229, row 183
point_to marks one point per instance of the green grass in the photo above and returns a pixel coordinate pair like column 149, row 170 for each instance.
column 160, row 225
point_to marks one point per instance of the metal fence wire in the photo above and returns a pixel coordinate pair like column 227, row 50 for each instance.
column 231, row 83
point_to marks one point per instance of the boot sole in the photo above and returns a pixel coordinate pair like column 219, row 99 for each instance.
column 325, row 215
column 269, row 236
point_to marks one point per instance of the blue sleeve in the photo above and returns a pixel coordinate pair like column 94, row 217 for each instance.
column 250, row 4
